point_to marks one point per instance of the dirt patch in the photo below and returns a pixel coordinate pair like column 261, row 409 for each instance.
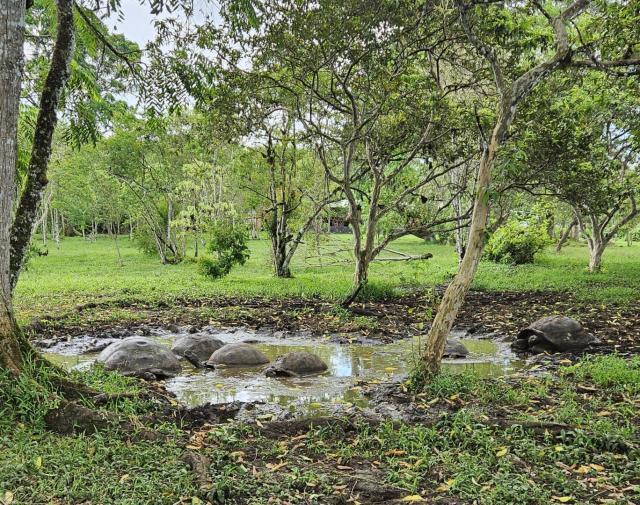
column 483, row 312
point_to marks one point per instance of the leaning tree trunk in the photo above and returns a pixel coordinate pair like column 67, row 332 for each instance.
column 11, row 63
column 55, row 82
column 565, row 235
column 455, row 293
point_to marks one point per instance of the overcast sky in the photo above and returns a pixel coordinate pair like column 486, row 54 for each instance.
column 137, row 24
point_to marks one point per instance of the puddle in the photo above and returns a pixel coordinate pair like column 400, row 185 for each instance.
column 347, row 365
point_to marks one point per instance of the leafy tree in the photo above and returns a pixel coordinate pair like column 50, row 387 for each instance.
column 586, row 153
column 520, row 52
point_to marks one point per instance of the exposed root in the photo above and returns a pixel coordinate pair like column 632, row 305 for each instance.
column 72, row 418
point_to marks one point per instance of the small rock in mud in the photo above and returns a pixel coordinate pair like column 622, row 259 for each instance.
column 237, row 354
column 454, row 349
column 140, row 357
column 294, row 364
column 198, row 345
column 251, row 341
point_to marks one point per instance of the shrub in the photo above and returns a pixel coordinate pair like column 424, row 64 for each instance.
column 229, row 244
column 517, row 242
column 143, row 237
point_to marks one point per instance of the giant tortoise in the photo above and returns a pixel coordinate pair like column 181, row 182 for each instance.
column 294, row 364
column 554, row 334
column 141, row 357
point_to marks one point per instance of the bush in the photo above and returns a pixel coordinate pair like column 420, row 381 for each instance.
column 229, row 244
column 145, row 241
column 517, row 242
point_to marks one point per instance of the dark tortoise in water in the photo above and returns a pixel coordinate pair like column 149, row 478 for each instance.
column 554, row 334
column 295, row 364
column 238, row 354
column 197, row 348
column 141, row 357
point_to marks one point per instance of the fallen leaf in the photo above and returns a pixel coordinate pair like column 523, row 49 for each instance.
column 562, row 499
column 8, row 497
column 502, row 452
column 412, row 498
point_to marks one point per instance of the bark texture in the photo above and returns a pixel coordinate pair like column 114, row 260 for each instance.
column 11, row 63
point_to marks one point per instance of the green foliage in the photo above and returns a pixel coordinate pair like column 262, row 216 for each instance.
column 28, row 397
column 517, row 242
column 229, row 243
column 145, row 240
column 612, row 371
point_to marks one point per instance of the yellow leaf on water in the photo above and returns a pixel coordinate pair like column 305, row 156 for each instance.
column 412, row 498
column 502, row 452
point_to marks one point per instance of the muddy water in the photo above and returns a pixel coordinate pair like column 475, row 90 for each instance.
column 348, row 365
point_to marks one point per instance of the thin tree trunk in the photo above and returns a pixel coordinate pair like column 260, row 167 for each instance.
column 455, row 293
column 565, row 235
column 45, row 220
column 56, row 228
column 360, row 279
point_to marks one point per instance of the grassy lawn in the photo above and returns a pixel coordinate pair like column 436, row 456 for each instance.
column 82, row 271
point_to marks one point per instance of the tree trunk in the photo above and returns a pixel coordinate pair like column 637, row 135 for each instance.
column 595, row 258
column 45, row 220
column 510, row 96
column 565, row 235
column 55, row 82
column 56, row 227
column 455, row 293
column 360, row 278
column 11, row 64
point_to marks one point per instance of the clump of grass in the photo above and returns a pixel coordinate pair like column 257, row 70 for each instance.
column 608, row 371
column 443, row 384
column 28, row 397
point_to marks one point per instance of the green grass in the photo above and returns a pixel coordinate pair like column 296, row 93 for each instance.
column 82, row 271
column 460, row 457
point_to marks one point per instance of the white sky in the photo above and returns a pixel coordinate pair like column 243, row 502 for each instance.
column 137, row 24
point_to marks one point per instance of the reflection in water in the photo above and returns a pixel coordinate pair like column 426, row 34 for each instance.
column 347, row 364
